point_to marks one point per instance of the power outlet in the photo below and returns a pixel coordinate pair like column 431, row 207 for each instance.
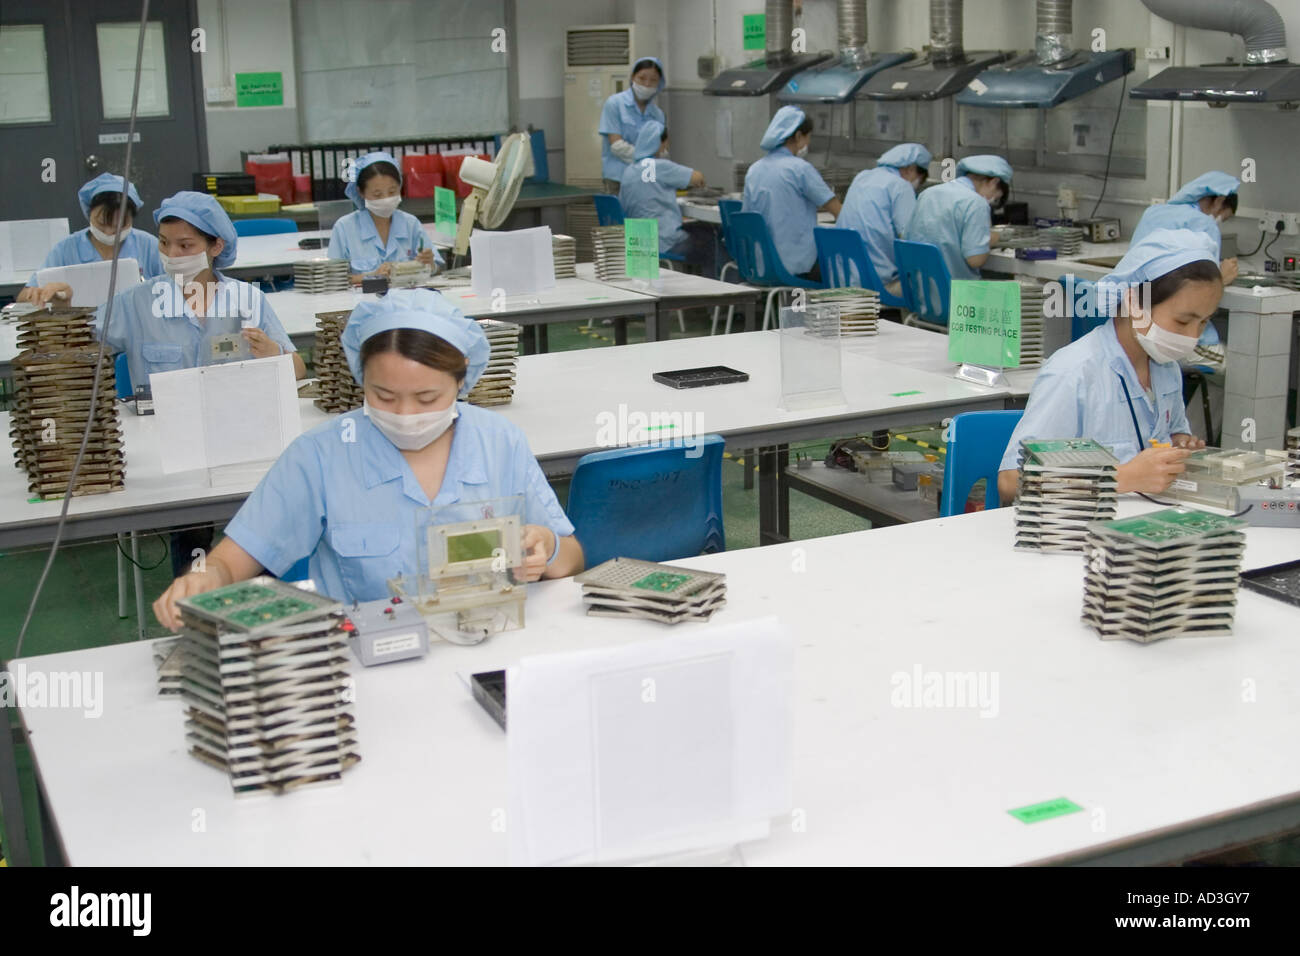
column 1290, row 223
column 1157, row 53
column 219, row 94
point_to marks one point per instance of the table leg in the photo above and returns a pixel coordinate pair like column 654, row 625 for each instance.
column 121, row 580
column 543, row 341
column 139, row 585
column 17, row 852
column 620, row 330
column 751, row 318
column 773, row 496
column 653, row 330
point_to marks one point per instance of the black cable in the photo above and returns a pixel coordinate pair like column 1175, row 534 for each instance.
column 103, row 336
column 1123, row 86
column 1276, row 236
column 1262, row 235
column 146, row 567
column 1179, row 504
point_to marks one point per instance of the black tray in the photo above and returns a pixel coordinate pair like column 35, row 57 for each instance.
column 490, row 690
column 1281, row 581
column 312, row 242
column 700, row 377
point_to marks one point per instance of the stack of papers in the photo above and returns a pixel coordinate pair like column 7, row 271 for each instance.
column 339, row 391
column 1031, row 323
column 497, row 384
column 1066, row 240
column 609, row 247
column 264, row 681
column 859, row 309
column 1065, row 485
column 565, row 251
column 320, row 275
column 625, row 587
column 1172, row 573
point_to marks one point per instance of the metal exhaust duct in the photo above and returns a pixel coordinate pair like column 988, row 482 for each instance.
column 838, row 80
column 944, row 71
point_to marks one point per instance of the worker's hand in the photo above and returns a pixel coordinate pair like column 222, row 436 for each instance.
column 1190, row 442
column 697, row 178
column 425, row 256
column 1228, row 267
column 539, row 544
column 1152, row 471
column 623, row 150
column 995, row 239
column 263, row 345
column 188, row 585
column 383, row 270
column 58, row 292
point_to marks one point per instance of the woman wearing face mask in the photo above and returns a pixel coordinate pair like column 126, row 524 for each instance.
column 622, row 117
column 99, row 200
column 880, row 203
column 957, row 216
column 788, row 192
column 1120, row 384
column 348, row 493
column 649, row 191
column 378, row 233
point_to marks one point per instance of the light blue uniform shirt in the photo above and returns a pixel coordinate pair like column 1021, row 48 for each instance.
column 621, row 115
column 159, row 332
column 879, row 205
column 1176, row 216
column 957, row 219
column 1077, row 394
column 787, row 192
column 353, row 506
column 77, row 249
column 355, row 238
column 657, row 199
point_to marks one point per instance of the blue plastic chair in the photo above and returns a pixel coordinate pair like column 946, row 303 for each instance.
column 845, row 261
column 1084, row 315
column 122, row 376
column 975, row 451
column 609, row 211
column 264, row 227
column 926, row 280
column 759, row 263
column 725, row 209
column 652, row 502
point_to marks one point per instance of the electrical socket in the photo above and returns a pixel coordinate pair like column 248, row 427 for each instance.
column 219, row 94
column 1157, row 53
column 1290, row 223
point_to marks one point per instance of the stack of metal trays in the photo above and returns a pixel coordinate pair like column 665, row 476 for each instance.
column 1065, row 485
column 167, row 656
column 1293, row 455
column 741, row 170
column 1031, row 323
column 265, row 685
column 610, row 251
column 320, row 275
column 859, row 308
column 1171, row 573
column 1018, row 237
column 565, row 251
column 625, row 587
column 497, row 384
column 1066, row 240
column 339, row 391
column 579, row 220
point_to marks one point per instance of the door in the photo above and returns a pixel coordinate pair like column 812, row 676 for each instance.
column 89, row 59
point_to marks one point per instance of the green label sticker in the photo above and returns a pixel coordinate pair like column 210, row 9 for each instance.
column 984, row 323
column 444, row 210
column 259, row 89
column 915, row 391
column 1046, row 810
column 641, row 247
column 754, row 27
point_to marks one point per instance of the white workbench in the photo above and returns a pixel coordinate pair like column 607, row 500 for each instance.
column 1155, row 742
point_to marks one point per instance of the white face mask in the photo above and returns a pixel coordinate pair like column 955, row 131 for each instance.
column 384, row 208
column 803, row 151
column 1165, row 346
column 412, row 432
column 184, row 268
column 644, row 93
column 107, row 237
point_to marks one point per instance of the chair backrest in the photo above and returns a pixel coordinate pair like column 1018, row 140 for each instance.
column 845, row 261
column 264, row 227
column 756, row 256
column 725, row 209
column 926, row 280
column 1085, row 314
column 975, row 447
column 609, row 211
column 122, row 376
column 655, row 502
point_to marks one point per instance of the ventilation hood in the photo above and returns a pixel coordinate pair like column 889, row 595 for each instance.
column 773, row 70
column 943, row 71
column 839, row 79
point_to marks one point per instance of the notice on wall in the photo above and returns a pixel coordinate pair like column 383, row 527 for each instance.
column 259, row 89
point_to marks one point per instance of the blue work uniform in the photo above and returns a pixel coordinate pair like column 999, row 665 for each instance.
column 159, row 332
column 879, row 205
column 355, row 238
column 957, row 219
column 77, row 249
column 787, row 192
column 657, row 198
column 1078, row 394
column 354, row 506
column 623, row 117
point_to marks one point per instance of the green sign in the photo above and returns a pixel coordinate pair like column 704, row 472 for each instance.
column 1046, row 810
column 984, row 323
column 444, row 211
column 641, row 247
column 755, row 31
column 259, row 89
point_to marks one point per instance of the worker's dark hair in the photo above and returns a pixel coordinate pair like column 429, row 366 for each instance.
column 924, row 171
column 1167, row 286
column 206, row 235
column 418, row 346
column 380, row 168
column 664, row 135
column 642, row 64
column 111, row 199
column 1230, row 201
column 805, row 127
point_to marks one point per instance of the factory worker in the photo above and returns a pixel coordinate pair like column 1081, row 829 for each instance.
column 880, row 203
column 378, row 233
column 622, row 117
column 957, row 216
column 649, row 191
column 99, row 201
column 349, row 493
column 1120, row 384
column 788, row 192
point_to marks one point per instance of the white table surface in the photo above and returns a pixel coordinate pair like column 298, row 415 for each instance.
column 260, row 252
column 928, row 351
column 671, row 285
column 1142, row 737
column 709, row 212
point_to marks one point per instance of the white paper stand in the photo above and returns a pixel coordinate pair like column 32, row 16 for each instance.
column 517, row 262
column 980, row 374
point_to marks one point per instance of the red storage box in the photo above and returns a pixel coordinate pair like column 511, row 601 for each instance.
column 302, row 189
column 273, row 173
column 452, row 166
column 420, row 174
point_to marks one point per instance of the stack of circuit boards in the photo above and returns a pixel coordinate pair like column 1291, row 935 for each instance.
column 579, row 220
column 1018, row 237
column 564, row 251
column 610, row 252
column 497, row 384
column 264, row 681
column 54, row 377
column 1031, row 323
column 167, row 657
column 625, row 587
column 339, row 391
column 1293, row 455
column 1065, row 484
column 1066, row 240
column 739, row 173
column 859, row 309
column 1171, row 573
column 320, row 275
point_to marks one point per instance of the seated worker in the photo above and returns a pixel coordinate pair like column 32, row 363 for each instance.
column 1120, row 384
column 957, row 216
column 99, row 200
column 788, row 192
column 378, row 233
column 352, row 505
column 649, row 191
column 622, row 117
column 880, row 203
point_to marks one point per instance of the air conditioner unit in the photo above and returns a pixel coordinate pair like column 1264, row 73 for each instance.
column 597, row 63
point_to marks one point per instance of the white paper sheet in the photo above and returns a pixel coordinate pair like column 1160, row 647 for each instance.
column 89, row 280
column 24, row 243
column 515, row 262
column 662, row 746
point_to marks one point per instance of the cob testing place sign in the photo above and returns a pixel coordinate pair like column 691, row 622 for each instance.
column 984, row 323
